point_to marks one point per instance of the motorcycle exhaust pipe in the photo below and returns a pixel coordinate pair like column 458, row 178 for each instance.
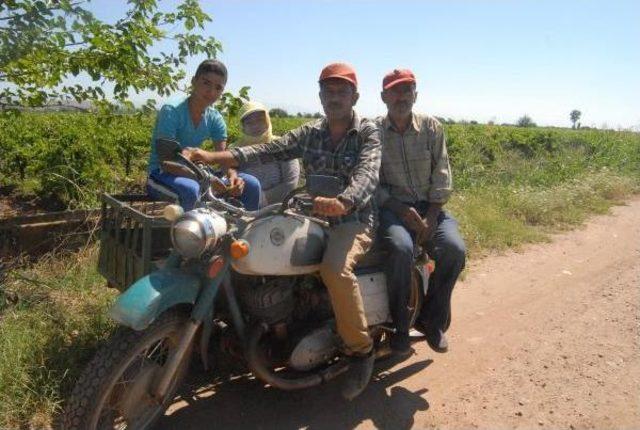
column 261, row 370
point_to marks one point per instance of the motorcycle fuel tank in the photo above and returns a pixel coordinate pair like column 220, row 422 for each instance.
column 282, row 245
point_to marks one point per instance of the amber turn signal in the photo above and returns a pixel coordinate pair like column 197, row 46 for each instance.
column 430, row 266
column 239, row 249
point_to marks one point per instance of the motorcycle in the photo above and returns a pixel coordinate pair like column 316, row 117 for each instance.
column 246, row 279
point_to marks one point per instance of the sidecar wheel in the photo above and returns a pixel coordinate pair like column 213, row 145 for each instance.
column 113, row 391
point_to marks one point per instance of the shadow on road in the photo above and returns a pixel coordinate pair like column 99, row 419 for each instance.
column 243, row 402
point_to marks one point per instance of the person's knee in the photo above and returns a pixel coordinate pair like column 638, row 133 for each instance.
column 251, row 182
column 191, row 192
column 400, row 248
column 398, row 242
column 455, row 252
column 252, row 193
column 188, row 194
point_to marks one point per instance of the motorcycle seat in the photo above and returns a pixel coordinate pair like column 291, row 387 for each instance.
column 372, row 260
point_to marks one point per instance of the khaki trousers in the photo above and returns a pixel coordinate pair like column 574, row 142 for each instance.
column 348, row 242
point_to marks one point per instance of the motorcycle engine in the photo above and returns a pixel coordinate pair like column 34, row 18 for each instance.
column 303, row 305
column 269, row 301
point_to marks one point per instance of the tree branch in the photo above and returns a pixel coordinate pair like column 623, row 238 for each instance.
column 53, row 8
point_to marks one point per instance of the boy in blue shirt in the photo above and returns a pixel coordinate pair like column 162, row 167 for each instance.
column 191, row 122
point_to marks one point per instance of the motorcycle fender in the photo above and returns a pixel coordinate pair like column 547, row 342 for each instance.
column 153, row 294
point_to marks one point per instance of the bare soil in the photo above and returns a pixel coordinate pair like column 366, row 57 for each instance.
column 12, row 204
column 547, row 337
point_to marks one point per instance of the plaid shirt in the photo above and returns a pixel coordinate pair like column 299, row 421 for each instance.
column 355, row 160
column 415, row 164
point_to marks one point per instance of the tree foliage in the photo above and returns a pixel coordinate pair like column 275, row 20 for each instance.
column 575, row 116
column 525, row 121
column 229, row 105
column 278, row 113
column 45, row 43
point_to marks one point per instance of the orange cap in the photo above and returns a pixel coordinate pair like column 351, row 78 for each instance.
column 396, row 77
column 339, row 71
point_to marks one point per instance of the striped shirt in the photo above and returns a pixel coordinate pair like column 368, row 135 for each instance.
column 355, row 160
column 415, row 164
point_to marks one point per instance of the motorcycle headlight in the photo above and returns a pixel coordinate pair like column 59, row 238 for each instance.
column 197, row 231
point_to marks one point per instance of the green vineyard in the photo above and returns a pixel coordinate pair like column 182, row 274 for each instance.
column 68, row 158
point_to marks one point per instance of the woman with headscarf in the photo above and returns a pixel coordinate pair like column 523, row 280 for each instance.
column 277, row 178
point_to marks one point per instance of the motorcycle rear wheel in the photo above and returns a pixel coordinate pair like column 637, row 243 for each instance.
column 114, row 390
column 416, row 298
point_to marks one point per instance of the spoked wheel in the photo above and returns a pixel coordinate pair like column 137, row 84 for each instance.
column 116, row 389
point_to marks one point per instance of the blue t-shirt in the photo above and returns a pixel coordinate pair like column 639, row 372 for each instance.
column 174, row 122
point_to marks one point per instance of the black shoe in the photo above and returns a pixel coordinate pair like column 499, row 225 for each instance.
column 358, row 375
column 400, row 344
column 437, row 340
column 421, row 326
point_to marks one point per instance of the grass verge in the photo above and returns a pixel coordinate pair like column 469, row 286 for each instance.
column 494, row 218
column 52, row 316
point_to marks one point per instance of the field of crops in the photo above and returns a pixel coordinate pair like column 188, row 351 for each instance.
column 68, row 158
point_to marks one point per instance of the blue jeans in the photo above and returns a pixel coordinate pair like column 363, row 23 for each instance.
column 187, row 191
column 446, row 248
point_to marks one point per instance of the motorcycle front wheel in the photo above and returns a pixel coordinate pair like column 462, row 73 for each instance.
column 115, row 390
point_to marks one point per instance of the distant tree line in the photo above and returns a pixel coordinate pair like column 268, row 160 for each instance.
column 524, row 121
column 281, row 113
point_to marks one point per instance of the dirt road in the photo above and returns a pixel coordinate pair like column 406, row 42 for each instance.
column 548, row 337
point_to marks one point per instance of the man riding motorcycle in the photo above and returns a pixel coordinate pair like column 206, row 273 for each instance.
column 348, row 147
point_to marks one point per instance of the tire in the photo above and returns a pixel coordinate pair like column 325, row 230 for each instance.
column 416, row 298
column 117, row 379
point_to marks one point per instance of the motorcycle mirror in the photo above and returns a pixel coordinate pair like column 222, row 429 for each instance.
column 324, row 185
column 170, row 156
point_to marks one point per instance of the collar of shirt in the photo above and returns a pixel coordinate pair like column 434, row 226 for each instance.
column 323, row 125
column 415, row 124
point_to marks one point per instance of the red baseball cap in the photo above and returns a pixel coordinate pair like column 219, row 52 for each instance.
column 339, row 71
column 397, row 77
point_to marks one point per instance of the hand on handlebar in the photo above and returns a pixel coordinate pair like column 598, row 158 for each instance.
column 198, row 155
column 331, row 207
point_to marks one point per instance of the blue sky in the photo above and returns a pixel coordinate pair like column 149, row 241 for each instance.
column 475, row 60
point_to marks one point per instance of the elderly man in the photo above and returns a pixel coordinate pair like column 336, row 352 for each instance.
column 415, row 182
column 348, row 147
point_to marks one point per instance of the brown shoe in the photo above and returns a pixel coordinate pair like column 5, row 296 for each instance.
column 358, row 375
